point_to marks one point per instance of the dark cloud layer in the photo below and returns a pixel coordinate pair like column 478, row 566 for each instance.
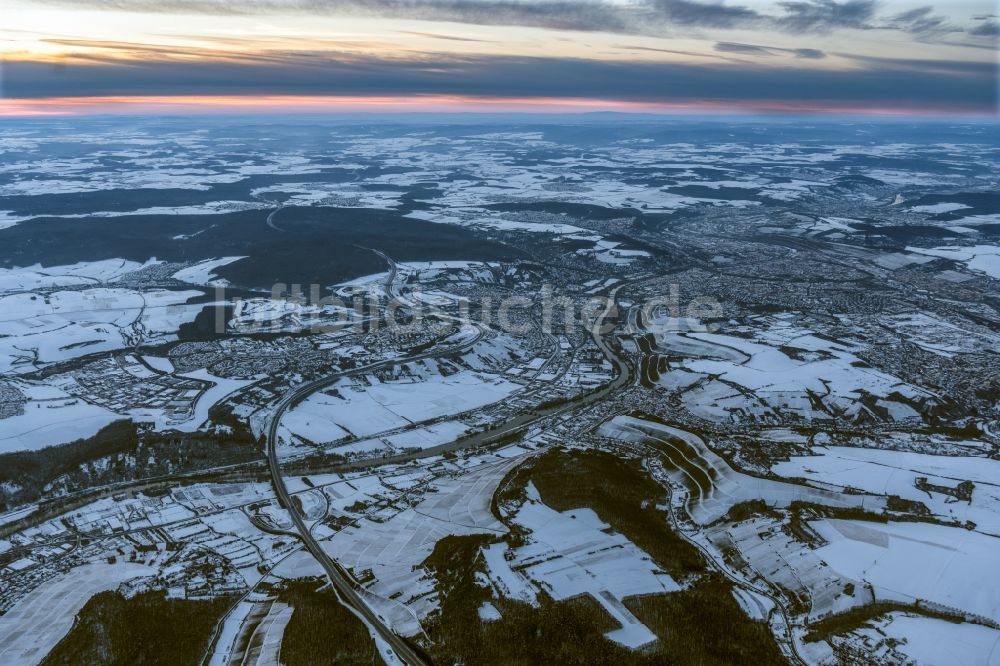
column 824, row 15
column 713, row 15
column 876, row 83
column 768, row 51
column 986, row 29
column 922, row 21
column 740, row 72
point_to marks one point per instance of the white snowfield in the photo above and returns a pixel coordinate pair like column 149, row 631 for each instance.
column 333, row 195
column 39, row 329
column 896, row 472
column 252, row 315
column 361, row 410
column 157, row 178
column 57, row 313
column 939, row 208
column 251, row 633
column 496, row 223
column 80, row 274
column 209, row 208
column 713, row 485
column 203, row 273
column 907, row 638
column 950, row 566
column 231, row 629
column 938, row 336
column 602, row 250
column 459, row 270
column 51, row 417
column 513, row 184
column 30, row 629
column 743, row 380
column 9, row 219
column 980, row 258
column 572, row 553
column 393, row 544
column 773, row 553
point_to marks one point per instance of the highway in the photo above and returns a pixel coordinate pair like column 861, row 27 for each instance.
column 339, row 578
column 390, row 279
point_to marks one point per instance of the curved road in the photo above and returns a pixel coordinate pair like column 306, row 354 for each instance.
column 779, row 605
column 270, row 218
column 339, row 577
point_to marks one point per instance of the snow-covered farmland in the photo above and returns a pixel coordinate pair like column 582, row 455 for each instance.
column 336, row 195
column 30, row 629
column 936, row 335
column 361, row 408
column 40, row 329
column 86, row 273
column 910, row 638
column 203, row 273
column 49, row 417
column 899, row 473
column 713, row 486
column 906, row 562
column 572, row 553
column 774, row 554
column 785, row 371
column 391, row 543
column 980, row 258
column 251, row 633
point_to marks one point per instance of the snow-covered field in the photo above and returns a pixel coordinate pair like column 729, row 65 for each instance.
column 362, row 409
column 50, row 417
column 335, row 195
column 896, row 472
column 903, row 637
column 203, row 273
column 932, row 333
column 251, row 633
column 38, row 329
column 30, row 629
column 85, row 273
column 905, row 561
column 713, row 485
column 572, row 553
column 394, row 544
column 743, row 380
column 774, row 554
column 981, row 258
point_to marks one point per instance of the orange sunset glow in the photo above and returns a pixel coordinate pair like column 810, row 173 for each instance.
column 138, row 56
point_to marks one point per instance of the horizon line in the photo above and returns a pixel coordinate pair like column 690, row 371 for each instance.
column 115, row 105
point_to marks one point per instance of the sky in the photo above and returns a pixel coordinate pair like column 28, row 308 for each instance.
column 684, row 56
